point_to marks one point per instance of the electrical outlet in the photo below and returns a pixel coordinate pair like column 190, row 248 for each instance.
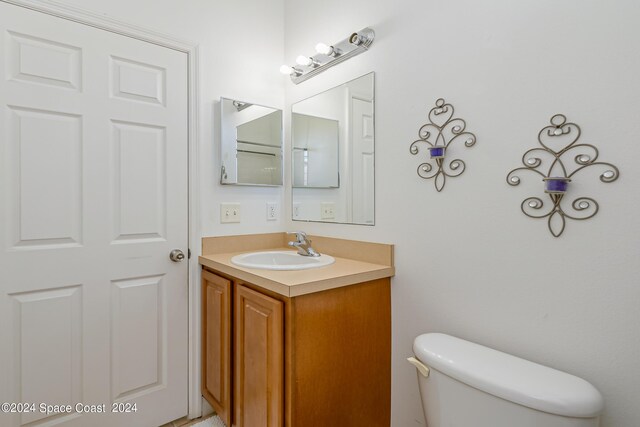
column 297, row 208
column 327, row 210
column 272, row 211
column 229, row 212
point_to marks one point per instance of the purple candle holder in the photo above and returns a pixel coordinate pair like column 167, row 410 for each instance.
column 436, row 152
column 556, row 185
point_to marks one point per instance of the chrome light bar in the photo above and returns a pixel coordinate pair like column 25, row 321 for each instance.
column 328, row 56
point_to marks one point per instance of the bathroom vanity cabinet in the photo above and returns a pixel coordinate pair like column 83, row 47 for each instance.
column 318, row 359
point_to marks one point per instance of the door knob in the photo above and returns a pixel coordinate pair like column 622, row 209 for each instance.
column 176, row 255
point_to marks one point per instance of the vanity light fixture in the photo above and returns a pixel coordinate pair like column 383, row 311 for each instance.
column 328, row 56
column 557, row 171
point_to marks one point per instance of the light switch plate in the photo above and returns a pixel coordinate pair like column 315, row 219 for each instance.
column 229, row 212
column 328, row 210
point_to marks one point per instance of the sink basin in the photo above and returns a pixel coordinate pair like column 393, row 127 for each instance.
column 281, row 260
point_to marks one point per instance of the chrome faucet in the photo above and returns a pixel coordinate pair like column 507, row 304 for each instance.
column 303, row 244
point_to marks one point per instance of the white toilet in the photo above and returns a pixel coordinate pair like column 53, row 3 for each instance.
column 463, row 384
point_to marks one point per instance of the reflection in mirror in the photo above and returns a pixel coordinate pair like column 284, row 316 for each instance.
column 251, row 143
column 315, row 153
column 332, row 137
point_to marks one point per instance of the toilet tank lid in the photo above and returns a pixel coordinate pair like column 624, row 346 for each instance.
column 509, row 377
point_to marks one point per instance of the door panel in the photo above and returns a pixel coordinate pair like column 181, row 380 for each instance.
column 132, row 80
column 93, row 191
column 139, row 187
column 44, row 320
column 138, row 348
column 36, row 60
column 44, row 144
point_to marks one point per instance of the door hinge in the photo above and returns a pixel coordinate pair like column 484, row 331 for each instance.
column 188, row 253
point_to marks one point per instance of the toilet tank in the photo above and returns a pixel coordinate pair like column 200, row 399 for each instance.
column 469, row 385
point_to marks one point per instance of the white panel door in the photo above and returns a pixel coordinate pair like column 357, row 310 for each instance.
column 93, row 197
column 362, row 161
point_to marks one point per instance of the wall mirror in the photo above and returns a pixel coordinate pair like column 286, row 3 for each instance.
column 251, row 143
column 332, row 139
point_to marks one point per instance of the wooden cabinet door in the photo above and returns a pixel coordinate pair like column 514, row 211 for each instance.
column 259, row 364
column 216, row 344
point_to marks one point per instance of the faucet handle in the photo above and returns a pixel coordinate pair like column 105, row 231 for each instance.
column 303, row 244
column 301, row 236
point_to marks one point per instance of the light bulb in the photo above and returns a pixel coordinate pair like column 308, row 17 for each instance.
column 290, row 71
column 324, row 49
column 304, row 60
column 285, row 69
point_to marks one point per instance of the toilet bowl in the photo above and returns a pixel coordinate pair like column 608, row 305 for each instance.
column 463, row 384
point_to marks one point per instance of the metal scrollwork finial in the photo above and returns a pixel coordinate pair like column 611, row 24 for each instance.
column 441, row 131
column 557, row 140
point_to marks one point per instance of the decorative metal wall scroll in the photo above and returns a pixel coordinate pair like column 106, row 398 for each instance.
column 441, row 131
column 558, row 140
